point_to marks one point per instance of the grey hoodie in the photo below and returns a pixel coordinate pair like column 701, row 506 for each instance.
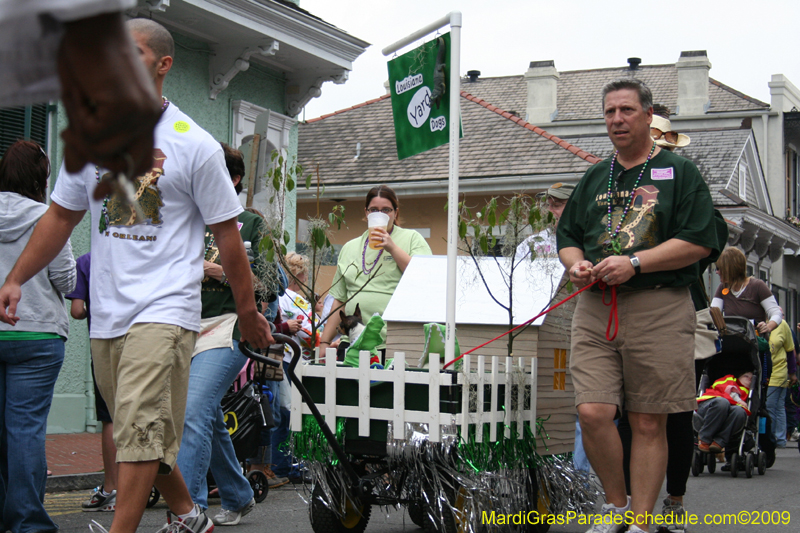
column 41, row 308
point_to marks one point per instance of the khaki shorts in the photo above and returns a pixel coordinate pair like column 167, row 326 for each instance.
column 144, row 377
column 649, row 366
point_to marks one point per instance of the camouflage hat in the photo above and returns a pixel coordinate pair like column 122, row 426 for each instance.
column 561, row 191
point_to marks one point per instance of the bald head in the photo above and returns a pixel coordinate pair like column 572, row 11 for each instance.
column 156, row 36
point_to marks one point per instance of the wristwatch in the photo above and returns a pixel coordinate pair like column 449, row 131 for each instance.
column 637, row 268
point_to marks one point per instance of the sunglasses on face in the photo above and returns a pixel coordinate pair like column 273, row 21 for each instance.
column 669, row 136
column 385, row 210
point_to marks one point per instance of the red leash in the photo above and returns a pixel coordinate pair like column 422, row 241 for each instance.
column 565, row 300
column 612, row 315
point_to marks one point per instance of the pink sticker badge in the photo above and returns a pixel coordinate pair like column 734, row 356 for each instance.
column 661, row 173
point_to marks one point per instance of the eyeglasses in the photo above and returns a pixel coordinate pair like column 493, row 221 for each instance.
column 385, row 210
column 669, row 136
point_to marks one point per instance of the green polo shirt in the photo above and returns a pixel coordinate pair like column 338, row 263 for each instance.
column 350, row 274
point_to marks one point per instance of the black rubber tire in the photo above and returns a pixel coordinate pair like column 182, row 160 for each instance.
column 533, row 496
column 770, row 459
column 749, row 464
column 735, row 465
column 711, row 462
column 762, row 463
column 153, row 498
column 260, row 485
column 697, row 463
column 323, row 520
column 429, row 526
column 416, row 514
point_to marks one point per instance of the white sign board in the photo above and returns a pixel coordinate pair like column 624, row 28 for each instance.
column 421, row 294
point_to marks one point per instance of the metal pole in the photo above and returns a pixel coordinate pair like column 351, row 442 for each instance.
column 452, row 191
column 454, row 88
column 419, row 34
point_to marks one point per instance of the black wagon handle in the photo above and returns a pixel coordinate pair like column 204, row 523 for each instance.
column 326, row 431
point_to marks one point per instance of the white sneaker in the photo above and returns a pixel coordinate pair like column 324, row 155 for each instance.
column 231, row 518
column 674, row 508
column 613, row 527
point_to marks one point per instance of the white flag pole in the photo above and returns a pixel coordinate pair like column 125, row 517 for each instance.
column 454, row 88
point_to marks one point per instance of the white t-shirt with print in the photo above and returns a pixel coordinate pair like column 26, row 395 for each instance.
column 149, row 270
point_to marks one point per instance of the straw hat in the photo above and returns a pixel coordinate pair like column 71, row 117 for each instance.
column 663, row 125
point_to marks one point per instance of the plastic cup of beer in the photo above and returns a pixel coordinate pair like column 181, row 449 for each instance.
column 376, row 220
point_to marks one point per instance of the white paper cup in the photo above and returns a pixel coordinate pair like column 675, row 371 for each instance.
column 377, row 220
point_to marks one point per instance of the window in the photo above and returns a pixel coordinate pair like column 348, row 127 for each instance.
column 743, row 180
column 792, row 183
column 559, row 369
column 23, row 123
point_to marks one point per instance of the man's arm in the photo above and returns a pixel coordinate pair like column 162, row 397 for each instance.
column 669, row 255
column 48, row 238
column 254, row 327
column 580, row 270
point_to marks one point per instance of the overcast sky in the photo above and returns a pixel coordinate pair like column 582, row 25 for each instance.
column 747, row 42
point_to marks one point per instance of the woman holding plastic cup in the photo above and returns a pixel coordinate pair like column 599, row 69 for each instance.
column 380, row 255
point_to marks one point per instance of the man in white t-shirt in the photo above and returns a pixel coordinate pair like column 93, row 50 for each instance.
column 544, row 242
column 147, row 265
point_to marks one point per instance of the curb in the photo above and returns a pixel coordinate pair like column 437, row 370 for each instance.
column 74, row 482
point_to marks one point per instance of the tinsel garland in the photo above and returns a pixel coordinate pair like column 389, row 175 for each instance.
column 456, row 479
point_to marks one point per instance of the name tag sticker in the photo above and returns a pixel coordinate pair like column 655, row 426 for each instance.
column 661, row 173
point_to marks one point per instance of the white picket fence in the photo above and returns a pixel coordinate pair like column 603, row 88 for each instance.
column 517, row 371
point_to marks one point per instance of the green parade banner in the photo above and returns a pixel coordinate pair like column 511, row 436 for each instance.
column 421, row 112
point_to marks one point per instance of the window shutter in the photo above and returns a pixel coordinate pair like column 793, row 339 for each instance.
column 23, row 123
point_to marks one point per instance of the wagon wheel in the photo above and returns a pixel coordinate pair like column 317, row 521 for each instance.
column 434, row 521
column 324, row 520
column 542, row 500
column 415, row 513
column 259, row 484
column 153, row 498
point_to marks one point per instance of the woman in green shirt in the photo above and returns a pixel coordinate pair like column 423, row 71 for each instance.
column 383, row 267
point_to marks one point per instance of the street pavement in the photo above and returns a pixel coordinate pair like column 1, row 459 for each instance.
column 285, row 508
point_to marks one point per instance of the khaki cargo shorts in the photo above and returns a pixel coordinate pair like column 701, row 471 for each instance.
column 144, row 377
column 649, row 366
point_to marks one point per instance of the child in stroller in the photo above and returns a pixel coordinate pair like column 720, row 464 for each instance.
column 724, row 411
column 740, row 435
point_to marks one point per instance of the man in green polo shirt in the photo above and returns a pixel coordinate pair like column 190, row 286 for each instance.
column 638, row 222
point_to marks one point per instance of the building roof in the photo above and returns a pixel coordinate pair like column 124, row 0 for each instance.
column 578, row 91
column 716, row 152
column 496, row 144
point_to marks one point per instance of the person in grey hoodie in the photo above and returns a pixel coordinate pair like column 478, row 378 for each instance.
column 31, row 353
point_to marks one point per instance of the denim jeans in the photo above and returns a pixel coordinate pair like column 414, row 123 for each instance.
column 579, row 459
column 776, row 398
column 28, row 372
column 206, row 442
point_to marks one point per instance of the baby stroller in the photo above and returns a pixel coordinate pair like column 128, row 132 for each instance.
column 739, row 355
column 247, row 412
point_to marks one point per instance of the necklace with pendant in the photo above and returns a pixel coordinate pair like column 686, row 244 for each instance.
column 364, row 268
column 612, row 244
